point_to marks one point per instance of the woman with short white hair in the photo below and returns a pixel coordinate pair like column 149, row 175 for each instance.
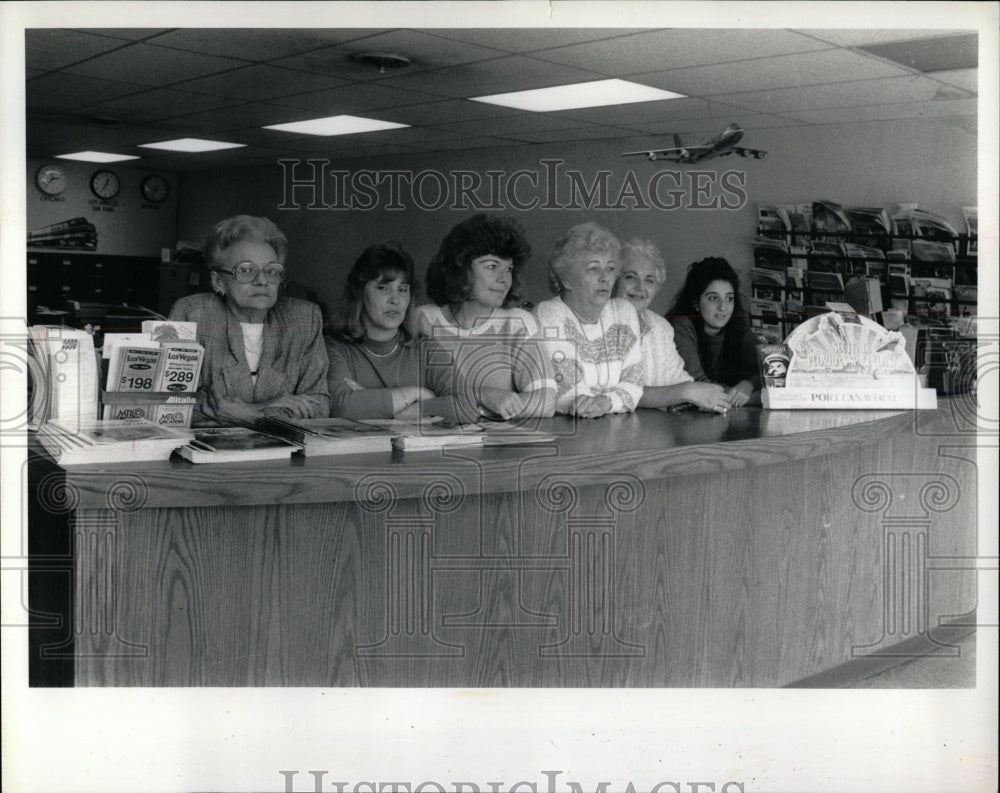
column 593, row 340
column 665, row 382
column 264, row 354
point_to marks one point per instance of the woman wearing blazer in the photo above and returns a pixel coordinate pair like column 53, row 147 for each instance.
column 264, row 354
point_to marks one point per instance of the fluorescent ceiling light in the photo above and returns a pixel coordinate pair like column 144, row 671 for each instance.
column 336, row 125
column 96, row 156
column 191, row 145
column 570, row 97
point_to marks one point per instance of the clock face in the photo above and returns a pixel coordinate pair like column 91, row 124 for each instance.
column 155, row 189
column 51, row 179
column 104, row 184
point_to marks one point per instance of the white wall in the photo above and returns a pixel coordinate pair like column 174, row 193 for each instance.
column 931, row 162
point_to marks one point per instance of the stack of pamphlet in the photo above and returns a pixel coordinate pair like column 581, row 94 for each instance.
column 506, row 433
column 77, row 443
column 66, row 381
column 235, row 444
column 423, row 438
column 330, row 435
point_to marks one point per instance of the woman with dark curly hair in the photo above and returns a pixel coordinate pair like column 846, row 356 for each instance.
column 474, row 281
column 377, row 371
column 711, row 330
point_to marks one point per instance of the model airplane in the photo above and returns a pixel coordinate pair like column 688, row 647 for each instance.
column 721, row 145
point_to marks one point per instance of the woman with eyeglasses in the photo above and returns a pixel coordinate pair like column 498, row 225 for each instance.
column 264, row 354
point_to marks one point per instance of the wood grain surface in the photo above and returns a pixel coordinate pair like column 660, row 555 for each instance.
column 753, row 562
column 647, row 443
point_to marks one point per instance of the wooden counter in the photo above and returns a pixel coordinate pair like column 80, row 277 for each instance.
column 650, row 549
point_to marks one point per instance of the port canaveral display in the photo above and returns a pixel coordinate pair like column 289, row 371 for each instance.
column 842, row 361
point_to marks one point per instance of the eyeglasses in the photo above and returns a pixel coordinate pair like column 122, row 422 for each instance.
column 246, row 272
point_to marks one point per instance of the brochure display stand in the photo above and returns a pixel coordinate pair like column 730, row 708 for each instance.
column 843, row 362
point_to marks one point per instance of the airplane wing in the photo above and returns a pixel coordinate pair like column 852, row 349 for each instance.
column 676, row 153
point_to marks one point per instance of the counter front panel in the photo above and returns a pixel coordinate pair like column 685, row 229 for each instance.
column 652, row 549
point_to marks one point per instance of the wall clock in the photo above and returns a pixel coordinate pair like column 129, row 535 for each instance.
column 51, row 179
column 104, row 184
column 155, row 188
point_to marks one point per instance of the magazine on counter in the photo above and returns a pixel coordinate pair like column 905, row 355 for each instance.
column 82, row 442
column 235, row 444
column 322, row 436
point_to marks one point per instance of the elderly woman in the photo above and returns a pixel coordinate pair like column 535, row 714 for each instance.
column 264, row 355
column 592, row 338
column 474, row 281
column 377, row 370
column 665, row 382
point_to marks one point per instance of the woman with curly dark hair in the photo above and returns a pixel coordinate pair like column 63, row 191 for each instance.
column 474, row 281
column 712, row 332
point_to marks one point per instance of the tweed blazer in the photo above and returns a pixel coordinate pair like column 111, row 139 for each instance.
column 293, row 361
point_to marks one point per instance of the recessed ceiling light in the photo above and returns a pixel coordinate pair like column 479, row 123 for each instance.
column 336, row 125
column 599, row 93
column 96, row 156
column 191, row 145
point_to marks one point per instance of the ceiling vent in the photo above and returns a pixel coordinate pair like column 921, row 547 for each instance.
column 383, row 61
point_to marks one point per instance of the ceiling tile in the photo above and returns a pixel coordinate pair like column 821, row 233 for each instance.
column 54, row 49
column 855, row 38
column 931, row 55
column 914, row 110
column 53, row 91
column 252, row 44
column 967, row 79
column 252, row 114
column 48, row 140
column 483, row 142
column 424, row 51
column 514, row 125
column 675, row 48
column 510, row 73
column 444, row 112
column 759, row 78
column 520, row 40
column 852, row 94
column 127, row 34
column 651, row 112
column 805, row 68
column 260, row 81
column 355, row 98
column 156, row 66
column 704, row 127
column 156, row 104
column 589, row 132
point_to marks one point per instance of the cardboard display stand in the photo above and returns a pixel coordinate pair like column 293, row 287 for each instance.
column 843, row 361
